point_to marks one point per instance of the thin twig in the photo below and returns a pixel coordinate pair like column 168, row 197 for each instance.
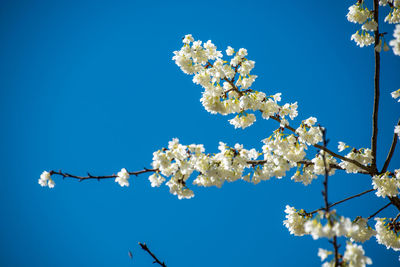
column 374, row 138
column 325, row 195
column 391, row 151
column 156, row 260
column 344, row 200
column 89, row 176
column 376, row 213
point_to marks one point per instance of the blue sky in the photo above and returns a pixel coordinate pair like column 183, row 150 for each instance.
column 90, row 86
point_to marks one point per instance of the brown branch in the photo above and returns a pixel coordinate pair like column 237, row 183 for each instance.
column 325, row 183
column 376, row 213
column 374, row 138
column 391, row 151
column 325, row 195
column 89, row 176
column 156, row 260
column 344, row 200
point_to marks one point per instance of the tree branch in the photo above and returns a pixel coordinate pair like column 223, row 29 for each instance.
column 391, row 151
column 376, row 213
column 325, row 195
column 89, row 176
column 344, row 200
column 156, row 260
column 374, row 138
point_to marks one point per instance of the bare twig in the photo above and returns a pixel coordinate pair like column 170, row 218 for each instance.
column 156, row 260
column 391, row 151
column 376, row 213
column 344, row 200
column 325, row 195
column 89, row 176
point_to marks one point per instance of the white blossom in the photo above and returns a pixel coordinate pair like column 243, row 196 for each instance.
column 294, row 221
column 187, row 39
column 357, row 14
column 386, row 236
column 393, row 17
column 395, row 43
column 243, row 121
column 354, row 256
column 230, row 51
column 363, row 231
column 364, row 39
column 385, row 185
column 45, row 180
column 323, row 253
column 362, row 156
column 342, row 146
column 156, row 179
column 370, row 25
column 122, row 178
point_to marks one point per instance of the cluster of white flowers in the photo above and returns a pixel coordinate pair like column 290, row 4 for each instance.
column 122, row 177
column 360, row 14
column 45, row 180
column 354, row 256
column 227, row 83
column 386, row 185
column 308, row 133
column 295, row 221
column 362, row 155
column 363, row 39
column 388, row 233
column 395, row 43
column 180, row 161
column 394, row 13
column 364, row 232
column 300, row 223
column 338, row 226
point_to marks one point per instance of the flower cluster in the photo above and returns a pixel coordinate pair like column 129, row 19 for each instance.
column 360, row 14
column 45, row 180
column 386, row 185
column 388, row 233
column 227, row 83
column 394, row 13
column 326, row 225
column 122, row 178
column 180, row 161
column 395, row 43
column 355, row 256
column 329, row 225
column 362, row 156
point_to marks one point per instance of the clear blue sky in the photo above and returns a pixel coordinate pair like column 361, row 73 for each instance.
column 90, row 86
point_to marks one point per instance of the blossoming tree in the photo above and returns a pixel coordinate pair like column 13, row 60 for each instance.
column 300, row 150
